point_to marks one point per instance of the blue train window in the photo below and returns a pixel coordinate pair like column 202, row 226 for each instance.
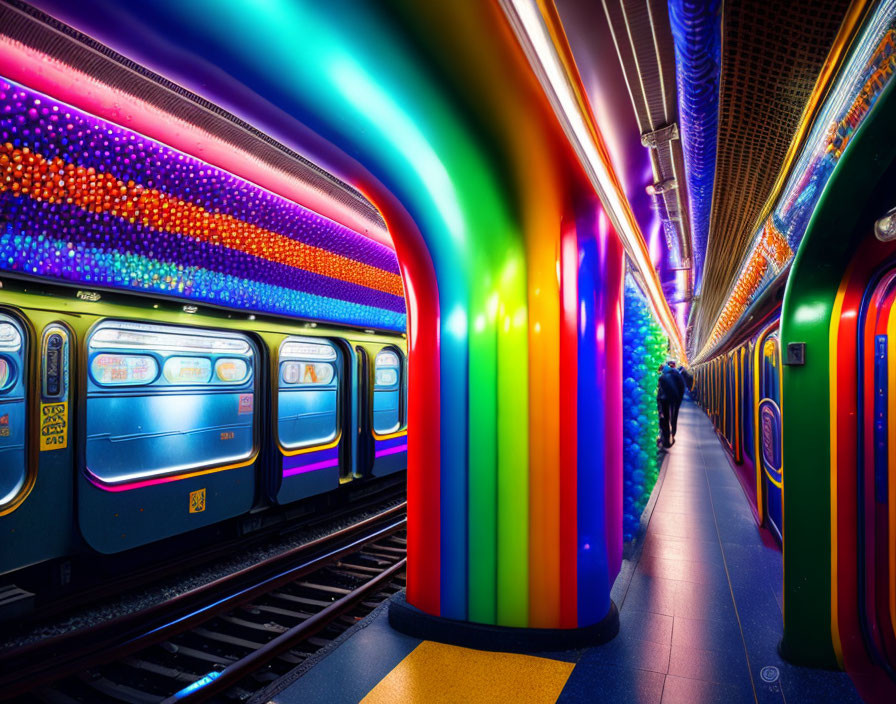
column 308, row 393
column 165, row 400
column 13, row 458
column 387, row 391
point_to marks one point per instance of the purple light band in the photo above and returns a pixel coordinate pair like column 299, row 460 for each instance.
column 311, row 467
column 392, row 450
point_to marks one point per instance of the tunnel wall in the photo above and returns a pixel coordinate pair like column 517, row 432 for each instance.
column 643, row 350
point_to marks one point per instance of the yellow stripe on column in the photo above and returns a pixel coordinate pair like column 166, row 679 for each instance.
column 433, row 673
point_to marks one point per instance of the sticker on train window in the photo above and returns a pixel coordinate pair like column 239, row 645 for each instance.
column 386, row 377
column 187, row 370
column 124, row 369
column 4, row 426
column 307, row 350
column 231, row 371
column 306, row 373
column 247, row 403
column 10, row 339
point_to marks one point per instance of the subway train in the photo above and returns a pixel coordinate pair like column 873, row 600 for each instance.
column 740, row 391
column 163, row 418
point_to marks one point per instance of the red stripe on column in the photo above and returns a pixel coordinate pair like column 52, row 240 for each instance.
column 424, row 393
column 567, row 472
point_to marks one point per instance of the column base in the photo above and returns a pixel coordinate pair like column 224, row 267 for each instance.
column 412, row 621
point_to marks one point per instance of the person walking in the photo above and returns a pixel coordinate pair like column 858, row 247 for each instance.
column 677, row 385
column 666, row 393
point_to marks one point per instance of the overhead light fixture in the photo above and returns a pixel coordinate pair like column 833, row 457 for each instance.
column 559, row 82
column 655, row 189
column 885, row 228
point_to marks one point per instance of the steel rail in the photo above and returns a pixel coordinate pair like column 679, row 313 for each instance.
column 47, row 661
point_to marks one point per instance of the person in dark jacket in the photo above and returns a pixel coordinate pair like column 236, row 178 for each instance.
column 677, row 385
column 666, row 393
column 688, row 378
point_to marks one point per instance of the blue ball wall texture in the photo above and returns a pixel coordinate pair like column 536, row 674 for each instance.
column 643, row 349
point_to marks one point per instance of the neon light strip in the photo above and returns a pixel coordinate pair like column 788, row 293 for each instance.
column 130, row 486
column 392, row 450
column 560, row 83
column 311, row 467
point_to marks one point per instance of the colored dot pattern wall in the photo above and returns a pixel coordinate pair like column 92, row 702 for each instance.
column 95, row 204
column 643, row 350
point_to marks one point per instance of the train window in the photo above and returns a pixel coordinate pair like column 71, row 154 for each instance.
column 188, row 370
column 124, row 369
column 387, row 392
column 386, row 377
column 231, row 371
column 308, row 393
column 188, row 404
column 13, row 410
column 5, row 374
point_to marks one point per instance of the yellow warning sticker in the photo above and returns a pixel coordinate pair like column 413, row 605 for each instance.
column 53, row 426
column 197, row 501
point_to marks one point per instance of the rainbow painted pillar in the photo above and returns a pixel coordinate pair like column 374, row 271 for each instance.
column 512, row 275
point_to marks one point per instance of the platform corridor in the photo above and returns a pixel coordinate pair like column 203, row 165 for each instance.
column 700, row 606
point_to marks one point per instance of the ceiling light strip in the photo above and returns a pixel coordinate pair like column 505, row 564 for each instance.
column 540, row 34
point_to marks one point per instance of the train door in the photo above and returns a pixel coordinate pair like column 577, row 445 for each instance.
column 314, row 451
column 14, row 474
column 36, row 451
column 746, row 412
column 170, row 436
column 389, row 411
column 768, row 429
column 877, row 469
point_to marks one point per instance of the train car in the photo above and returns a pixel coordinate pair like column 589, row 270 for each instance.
column 740, row 390
column 126, row 421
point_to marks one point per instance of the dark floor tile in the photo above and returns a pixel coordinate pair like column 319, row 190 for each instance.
column 727, row 666
column 627, row 651
column 681, row 690
column 647, row 592
column 644, row 625
column 682, row 570
column 706, row 634
column 598, row 683
column 696, row 601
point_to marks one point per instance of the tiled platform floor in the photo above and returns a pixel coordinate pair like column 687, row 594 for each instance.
column 700, row 607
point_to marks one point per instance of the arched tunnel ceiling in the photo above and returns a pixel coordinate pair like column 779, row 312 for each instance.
column 772, row 55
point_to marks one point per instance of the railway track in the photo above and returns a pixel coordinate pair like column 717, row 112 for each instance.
column 226, row 640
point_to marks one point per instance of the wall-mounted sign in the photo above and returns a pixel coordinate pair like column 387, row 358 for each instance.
column 770, row 435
